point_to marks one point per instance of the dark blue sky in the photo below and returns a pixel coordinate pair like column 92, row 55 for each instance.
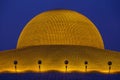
column 14, row 14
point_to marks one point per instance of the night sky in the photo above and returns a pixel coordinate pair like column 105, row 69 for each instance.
column 14, row 15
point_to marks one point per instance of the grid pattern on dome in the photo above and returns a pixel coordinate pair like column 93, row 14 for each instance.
column 60, row 27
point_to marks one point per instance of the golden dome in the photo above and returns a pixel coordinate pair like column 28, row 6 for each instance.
column 60, row 27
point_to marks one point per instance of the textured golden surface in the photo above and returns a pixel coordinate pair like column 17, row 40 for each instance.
column 55, row 36
column 60, row 27
column 53, row 58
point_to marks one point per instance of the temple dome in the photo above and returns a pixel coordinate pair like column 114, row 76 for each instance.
column 60, row 27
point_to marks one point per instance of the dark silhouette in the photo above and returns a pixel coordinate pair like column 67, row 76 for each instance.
column 39, row 63
column 109, row 64
column 66, row 63
column 15, row 63
column 58, row 75
column 86, row 63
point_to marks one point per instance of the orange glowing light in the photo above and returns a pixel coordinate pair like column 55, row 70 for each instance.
column 60, row 27
column 59, row 35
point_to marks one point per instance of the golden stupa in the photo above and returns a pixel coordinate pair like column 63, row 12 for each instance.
column 58, row 35
column 60, row 27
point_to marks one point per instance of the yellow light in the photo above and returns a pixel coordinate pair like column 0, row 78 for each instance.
column 55, row 36
column 60, row 27
column 53, row 59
